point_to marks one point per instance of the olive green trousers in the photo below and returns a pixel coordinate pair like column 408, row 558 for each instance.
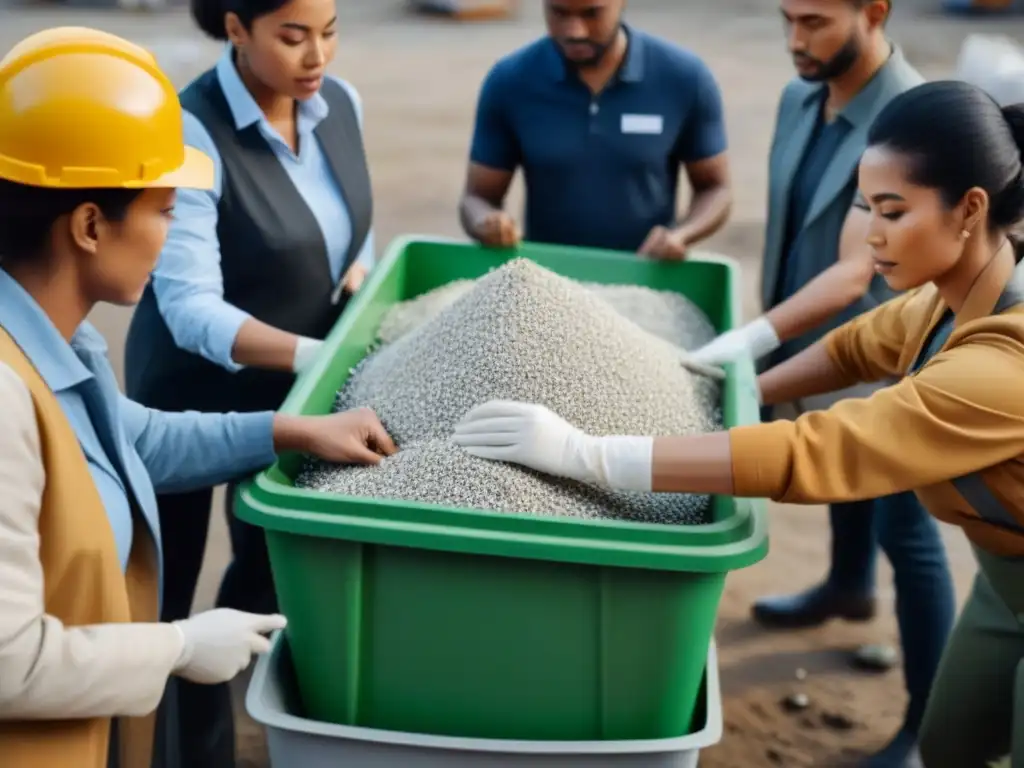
column 975, row 713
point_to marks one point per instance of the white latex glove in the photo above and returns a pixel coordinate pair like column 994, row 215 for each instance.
column 306, row 350
column 218, row 644
column 755, row 339
column 535, row 437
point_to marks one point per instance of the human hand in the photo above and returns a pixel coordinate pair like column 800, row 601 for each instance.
column 526, row 434
column 755, row 340
column 664, row 244
column 218, row 644
column 354, row 278
column 535, row 437
column 348, row 437
column 498, row 230
column 701, row 369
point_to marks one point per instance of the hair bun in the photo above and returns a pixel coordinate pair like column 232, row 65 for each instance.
column 1014, row 116
column 1009, row 204
column 209, row 17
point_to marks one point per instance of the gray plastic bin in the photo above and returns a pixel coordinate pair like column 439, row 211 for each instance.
column 295, row 741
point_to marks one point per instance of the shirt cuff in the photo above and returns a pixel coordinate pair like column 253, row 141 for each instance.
column 761, row 459
column 223, row 330
column 366, row 253
column 252, row 439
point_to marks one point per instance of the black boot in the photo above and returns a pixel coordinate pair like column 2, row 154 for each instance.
column 813, row 607
column 901, row 752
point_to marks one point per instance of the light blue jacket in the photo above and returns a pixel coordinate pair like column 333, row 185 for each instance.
column 133, row 452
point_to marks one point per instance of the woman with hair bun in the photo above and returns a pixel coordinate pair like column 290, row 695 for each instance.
column 255, row 273
column 943, row 180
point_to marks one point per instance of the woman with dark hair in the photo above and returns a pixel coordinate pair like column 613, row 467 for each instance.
column 84, row 658
column 255, row 273
column 944, row 183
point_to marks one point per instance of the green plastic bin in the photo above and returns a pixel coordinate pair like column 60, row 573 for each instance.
column 426, row 619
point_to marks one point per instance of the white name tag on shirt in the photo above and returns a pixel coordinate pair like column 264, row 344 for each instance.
column 649, row 124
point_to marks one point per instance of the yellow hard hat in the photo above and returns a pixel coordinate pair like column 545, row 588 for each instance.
column 81, row 108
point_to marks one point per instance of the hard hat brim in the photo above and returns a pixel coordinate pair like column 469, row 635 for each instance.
column 195, row 173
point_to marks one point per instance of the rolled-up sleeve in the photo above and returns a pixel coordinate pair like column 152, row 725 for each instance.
column 189, row 450
column 187, row 282
column 47, row 670
column 961, row 413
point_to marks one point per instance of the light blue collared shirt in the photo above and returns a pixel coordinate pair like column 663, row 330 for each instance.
column 187, row 281
column 132, row 451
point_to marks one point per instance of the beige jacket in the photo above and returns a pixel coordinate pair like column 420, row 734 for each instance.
column 69, row 658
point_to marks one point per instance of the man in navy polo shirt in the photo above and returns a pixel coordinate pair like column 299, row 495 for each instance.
column 600, row 117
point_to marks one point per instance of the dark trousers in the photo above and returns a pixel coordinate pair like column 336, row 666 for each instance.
column 976, row 712
column 195, row 722
column 925, row 601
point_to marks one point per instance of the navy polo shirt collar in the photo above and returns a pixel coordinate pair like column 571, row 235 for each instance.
column 631, row 70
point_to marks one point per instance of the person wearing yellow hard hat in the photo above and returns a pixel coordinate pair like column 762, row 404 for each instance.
column 91, row 151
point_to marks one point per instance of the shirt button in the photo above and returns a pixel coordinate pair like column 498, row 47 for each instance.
column 593, row 107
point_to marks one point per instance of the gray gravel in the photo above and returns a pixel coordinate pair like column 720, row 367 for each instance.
column 409, row 315
column 667, row 315
column 525, row 333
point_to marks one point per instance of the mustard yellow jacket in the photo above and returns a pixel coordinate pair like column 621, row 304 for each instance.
column 961, row 413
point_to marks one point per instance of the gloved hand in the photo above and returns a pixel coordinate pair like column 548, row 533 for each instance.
column 306, row 350
column 218, row 644
column 535, row 437
column 755, row 339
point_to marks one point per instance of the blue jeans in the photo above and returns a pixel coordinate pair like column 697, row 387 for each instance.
column 925, row 601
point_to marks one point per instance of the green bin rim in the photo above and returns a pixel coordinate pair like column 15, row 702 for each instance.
column 694, row 554
column 730, row 544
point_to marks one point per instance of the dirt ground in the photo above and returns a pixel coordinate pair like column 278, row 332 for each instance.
column 418, row 79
